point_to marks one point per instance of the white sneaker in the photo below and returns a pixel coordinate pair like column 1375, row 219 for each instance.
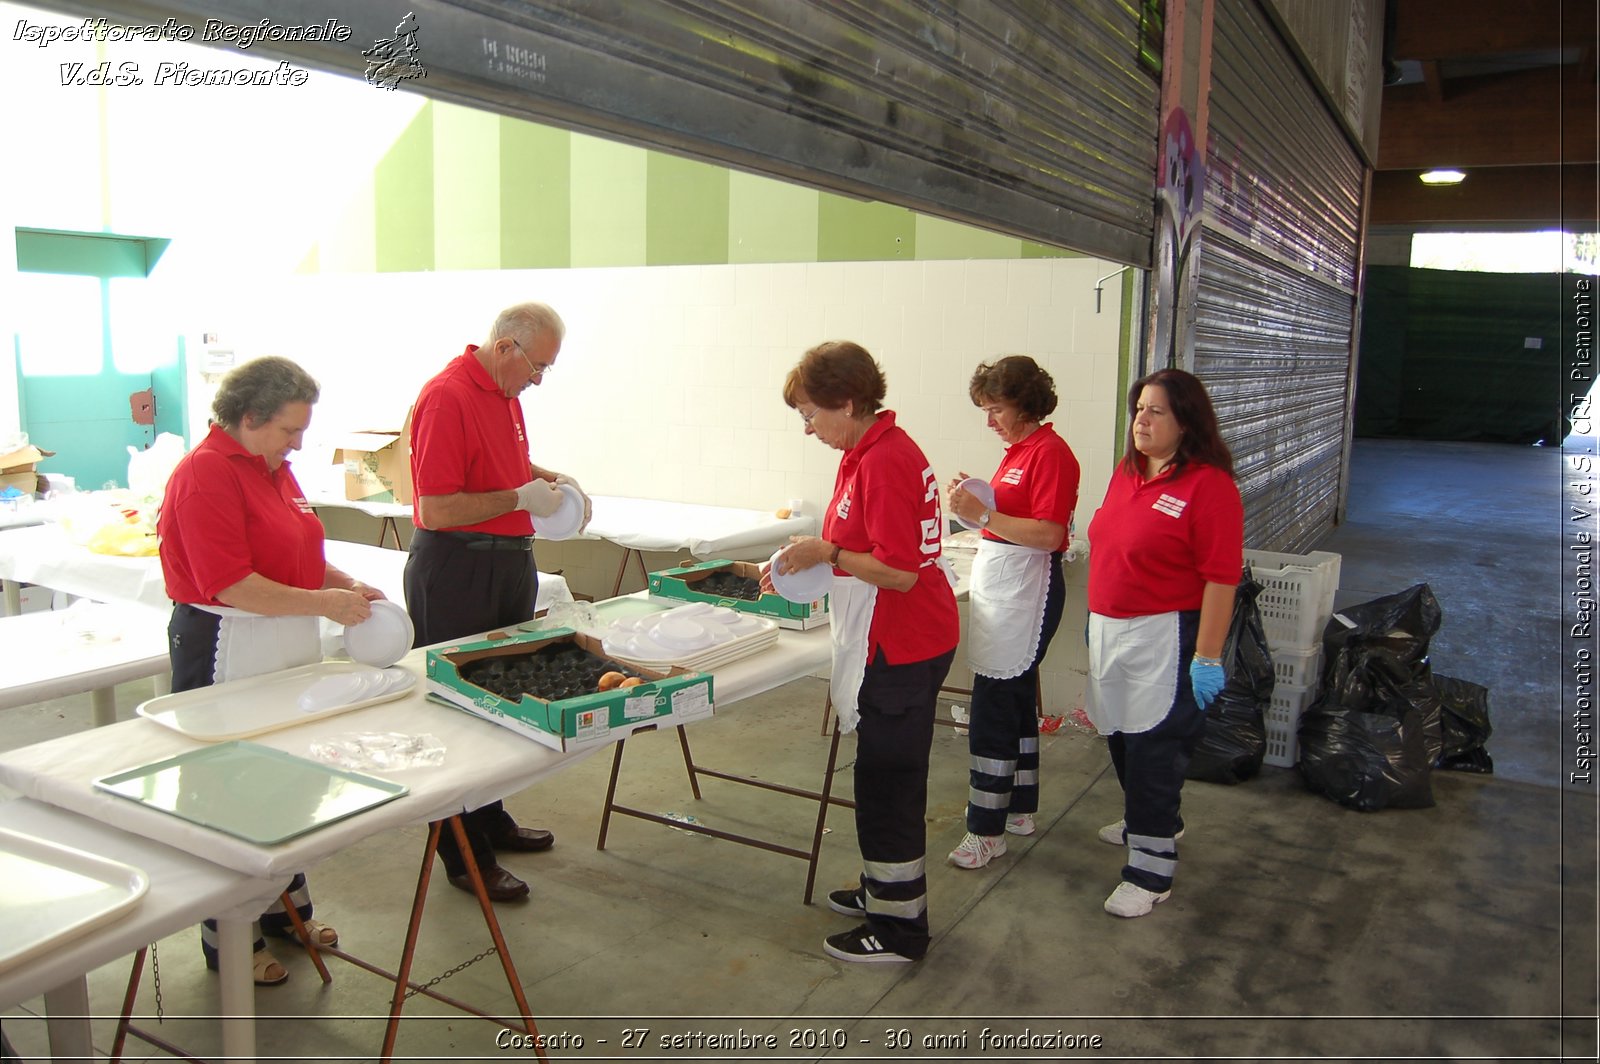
column 1021, row 824
column 1117, row 834
column 976, row 851
column 1129, row 900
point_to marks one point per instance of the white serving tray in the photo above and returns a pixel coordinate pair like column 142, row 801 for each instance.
column 50, row 893
column 240, row 709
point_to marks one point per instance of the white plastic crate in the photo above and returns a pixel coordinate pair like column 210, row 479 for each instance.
column 1296, row 597
column 1297, row 666
column 1283, row 723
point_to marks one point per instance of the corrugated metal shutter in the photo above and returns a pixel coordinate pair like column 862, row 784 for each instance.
column 1276, row 297
column 1028, row 117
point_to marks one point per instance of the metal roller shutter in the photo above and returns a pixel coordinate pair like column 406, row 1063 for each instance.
column 1028, row 117
column 1276, row 293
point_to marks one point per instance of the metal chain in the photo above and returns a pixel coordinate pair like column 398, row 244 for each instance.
column 155, row 977
column 463, row 966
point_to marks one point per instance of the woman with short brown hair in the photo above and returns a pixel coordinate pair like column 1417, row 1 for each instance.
column 894, row 628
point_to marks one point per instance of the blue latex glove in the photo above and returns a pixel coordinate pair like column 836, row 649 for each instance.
column 1207, row 678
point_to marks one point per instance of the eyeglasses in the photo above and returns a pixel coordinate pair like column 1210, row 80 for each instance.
column 806, row 418
column 537, row 369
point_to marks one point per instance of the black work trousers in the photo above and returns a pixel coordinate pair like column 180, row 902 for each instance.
column 1003, row 734
column 456, row 589
column 893, row 741
column 1151, row 766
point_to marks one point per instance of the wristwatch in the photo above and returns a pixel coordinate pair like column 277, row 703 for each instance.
column 983, row 522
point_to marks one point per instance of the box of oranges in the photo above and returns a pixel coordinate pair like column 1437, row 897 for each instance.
column 736, row 585
column 559, row 688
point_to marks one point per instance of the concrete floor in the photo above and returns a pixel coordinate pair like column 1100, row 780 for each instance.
column 1298, row 928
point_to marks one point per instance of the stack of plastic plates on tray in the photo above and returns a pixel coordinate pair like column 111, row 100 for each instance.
column 697, row 636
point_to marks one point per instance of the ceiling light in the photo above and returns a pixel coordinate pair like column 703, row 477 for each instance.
column 1443, row 177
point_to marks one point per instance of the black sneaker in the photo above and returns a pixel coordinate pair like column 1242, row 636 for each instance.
column 862, row 945
column 848, row 902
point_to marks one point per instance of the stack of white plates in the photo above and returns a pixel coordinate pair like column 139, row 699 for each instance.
column 696, row 636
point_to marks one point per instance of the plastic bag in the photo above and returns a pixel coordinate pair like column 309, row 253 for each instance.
column 1466, row 726
column 382, row 751
column 1371, row 739
column 149, row 469
column 1235, row 739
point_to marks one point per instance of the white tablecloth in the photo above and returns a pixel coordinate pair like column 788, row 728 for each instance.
column 659, row 525
column 704, row 531
column 92, row 645
column 43, row 555
column 484, row 762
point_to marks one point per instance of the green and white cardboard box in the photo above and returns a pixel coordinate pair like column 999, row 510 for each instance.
column 675, row 697
column 679, row 585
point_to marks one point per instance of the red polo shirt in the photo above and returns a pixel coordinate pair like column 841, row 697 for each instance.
column 886, row 503
column 1038, row 479
column 1155, row 544
column 225, row 515
column 467, row 436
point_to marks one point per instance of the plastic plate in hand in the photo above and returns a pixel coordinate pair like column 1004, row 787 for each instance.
column 382, row 639
column 568, row 516
column 983, row 491
column 806, row 585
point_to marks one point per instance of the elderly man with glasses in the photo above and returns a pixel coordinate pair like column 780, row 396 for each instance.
column 471, row 566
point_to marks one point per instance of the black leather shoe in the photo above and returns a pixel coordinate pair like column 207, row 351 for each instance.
column 499, row 884
column 524, row 840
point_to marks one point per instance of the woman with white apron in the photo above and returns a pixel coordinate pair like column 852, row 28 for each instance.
column 1016, row 600
column 1166, row 545
column 895, row 629
column 241, row 553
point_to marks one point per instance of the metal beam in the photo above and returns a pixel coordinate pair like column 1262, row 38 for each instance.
column 1527, row 117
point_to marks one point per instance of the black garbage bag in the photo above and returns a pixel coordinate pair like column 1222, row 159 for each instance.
column 1466, row 728
column 1367, row 761
column 1235, row 738
column 1370, row 741
column 1401, row 624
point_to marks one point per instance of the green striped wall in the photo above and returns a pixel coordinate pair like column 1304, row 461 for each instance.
column 466, row 190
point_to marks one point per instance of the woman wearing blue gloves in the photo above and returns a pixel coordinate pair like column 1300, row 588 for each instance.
column 1166, row 549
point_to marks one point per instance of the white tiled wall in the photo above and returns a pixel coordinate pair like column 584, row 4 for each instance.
column 669, row 383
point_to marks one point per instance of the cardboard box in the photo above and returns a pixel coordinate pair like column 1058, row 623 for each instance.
column 675, row 697
column 17, row 469
column 679, row 585
column 377, row 465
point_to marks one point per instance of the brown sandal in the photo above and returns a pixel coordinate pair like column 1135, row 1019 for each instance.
column 267, row 970
column 321, row 934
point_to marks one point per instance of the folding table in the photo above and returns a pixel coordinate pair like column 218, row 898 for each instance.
column 93, row 646
column 183, row 890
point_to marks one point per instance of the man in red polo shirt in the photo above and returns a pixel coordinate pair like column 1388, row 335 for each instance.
column 471, row 565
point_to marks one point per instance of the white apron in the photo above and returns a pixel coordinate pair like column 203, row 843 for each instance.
column 850, row 607
column 1009, row 584
column 249, row 644
column 1133, row 671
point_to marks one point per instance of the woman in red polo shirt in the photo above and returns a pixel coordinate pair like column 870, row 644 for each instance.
column 894, row 629
column 1017, row 598
column 241, row 553
column 1166, row 550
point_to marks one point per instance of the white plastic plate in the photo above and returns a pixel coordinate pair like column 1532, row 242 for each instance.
column 565, row 521
column 51, row 893
column 807, row 585
column 382, row 639
column 984, row 491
